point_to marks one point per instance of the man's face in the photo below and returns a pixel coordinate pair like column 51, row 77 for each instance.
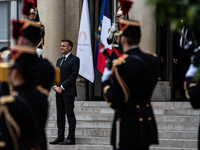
column 118, row 18
column 65, row 48
column 31, row 17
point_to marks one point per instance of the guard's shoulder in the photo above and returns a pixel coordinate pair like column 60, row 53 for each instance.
column 6, row 99
column 150, row 53
column 119, row 61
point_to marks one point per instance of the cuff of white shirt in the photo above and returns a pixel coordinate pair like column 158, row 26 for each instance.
column 54, row 87
column 62, row 87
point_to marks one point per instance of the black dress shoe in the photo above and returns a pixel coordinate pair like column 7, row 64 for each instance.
column 57, row 140
column 67, row 142
column 182, row 98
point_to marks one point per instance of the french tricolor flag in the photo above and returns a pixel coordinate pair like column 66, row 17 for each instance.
column 104, row 25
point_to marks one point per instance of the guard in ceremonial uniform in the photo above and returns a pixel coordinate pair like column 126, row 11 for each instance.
column 192, row 87
column 114, row 30
column 27, row 34
column 112, row 38
column 34, row 16
column 23, row 113
column 128, row 88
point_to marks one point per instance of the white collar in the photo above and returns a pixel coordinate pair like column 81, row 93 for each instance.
column 67, row 55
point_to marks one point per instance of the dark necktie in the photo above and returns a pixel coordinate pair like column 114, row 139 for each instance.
column 183, row 40
column 63, row 59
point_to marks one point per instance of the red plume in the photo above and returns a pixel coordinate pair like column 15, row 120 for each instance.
column 16, row 29
column 126, row 5
column 27, row 5
column 35, row 3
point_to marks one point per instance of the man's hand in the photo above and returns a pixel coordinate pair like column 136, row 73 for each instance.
column 58, row 89
column 175, row 60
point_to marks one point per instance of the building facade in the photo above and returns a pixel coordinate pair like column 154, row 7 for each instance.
column 61, row 19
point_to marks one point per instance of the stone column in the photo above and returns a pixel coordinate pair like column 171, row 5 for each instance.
column 145, row 15
column 53, row 15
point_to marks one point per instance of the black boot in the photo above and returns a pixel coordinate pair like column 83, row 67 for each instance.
column 57, row 140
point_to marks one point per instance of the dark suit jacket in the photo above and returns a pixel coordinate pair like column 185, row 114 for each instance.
column 137, row 126
column 68, row 75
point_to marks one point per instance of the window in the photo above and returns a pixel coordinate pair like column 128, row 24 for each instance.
column 9, row 10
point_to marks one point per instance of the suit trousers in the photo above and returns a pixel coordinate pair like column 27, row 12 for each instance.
column 65, row 105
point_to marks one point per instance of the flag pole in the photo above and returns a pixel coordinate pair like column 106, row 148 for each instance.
column 114, row 11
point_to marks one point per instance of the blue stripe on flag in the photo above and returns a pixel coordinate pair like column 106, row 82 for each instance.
column 99, row 30
column 107, row 9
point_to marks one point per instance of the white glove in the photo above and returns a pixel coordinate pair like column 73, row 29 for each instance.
column 113, row 28
column 110, row 34
column 39, row 51
column 186, row 46
column 191, row 71
column 106, row 74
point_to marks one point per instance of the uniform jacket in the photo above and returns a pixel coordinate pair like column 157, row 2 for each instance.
column 68, row 75
column 194, row 93
column 32, row 130
column 137, row 126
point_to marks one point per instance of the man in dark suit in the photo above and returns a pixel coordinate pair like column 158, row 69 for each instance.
column 134, row 76
column 66, row 92
column 183, row 53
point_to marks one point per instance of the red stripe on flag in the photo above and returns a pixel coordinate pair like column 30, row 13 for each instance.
column 101, row 61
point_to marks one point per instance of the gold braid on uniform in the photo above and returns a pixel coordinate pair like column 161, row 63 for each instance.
column 41, row 42
column 10, row 122
column 123, row 85
column 42, row 90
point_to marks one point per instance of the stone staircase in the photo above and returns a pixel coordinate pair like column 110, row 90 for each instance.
column 177, row 124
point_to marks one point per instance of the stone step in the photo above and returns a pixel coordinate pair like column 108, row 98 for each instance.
column 91, row 132
column 79, row 147
column 107, row 125
column 87, row 140
column 88, row 117
column 104, row 147
column 90, row 104
column 167, row 143
column 178, row 134
column 177, row 127
column 109, row 118
column 171, row 105
column 170, row 148
column 177, row 143
column 85, row 132
column 110, row 112
column 83, row 124
column 103, row 104
column 177, row 112
column 81, row 110
column 193, row 120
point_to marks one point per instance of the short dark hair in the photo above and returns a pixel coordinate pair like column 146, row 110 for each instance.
column 69, row 41
column 3, row 49
column 132, row 41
